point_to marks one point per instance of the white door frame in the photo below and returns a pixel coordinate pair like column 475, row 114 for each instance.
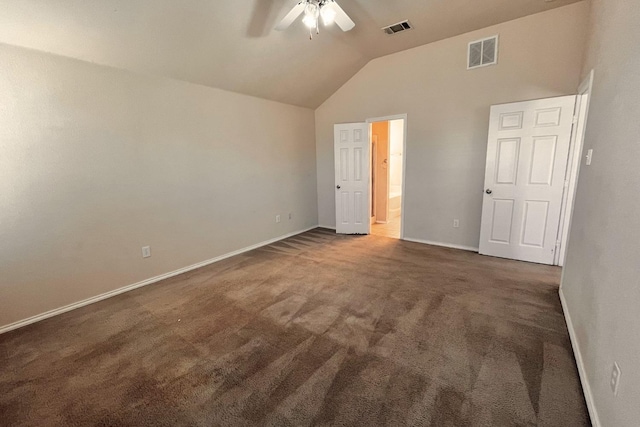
column 374, row 177
column 575, row 160
column 404, row 161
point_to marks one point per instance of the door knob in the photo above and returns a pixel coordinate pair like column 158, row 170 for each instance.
column 488, row 191
column 338, row 187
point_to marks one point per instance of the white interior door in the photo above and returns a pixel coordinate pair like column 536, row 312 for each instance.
column 525, row 176
column 353, row 192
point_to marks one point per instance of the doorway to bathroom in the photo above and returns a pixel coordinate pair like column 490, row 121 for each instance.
column 387, row 174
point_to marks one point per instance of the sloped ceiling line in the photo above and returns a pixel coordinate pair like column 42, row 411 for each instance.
column 231, row 45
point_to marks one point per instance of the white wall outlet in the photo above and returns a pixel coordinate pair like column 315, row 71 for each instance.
column 290, row 215
column 589, row 156
column 615, row 378
column 146, row 251
column 277, row 218
column 456, row 223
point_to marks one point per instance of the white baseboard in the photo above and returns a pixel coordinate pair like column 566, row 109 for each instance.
column 445, row 245
column 588, row 396
column 327, row 226
column 73, row 306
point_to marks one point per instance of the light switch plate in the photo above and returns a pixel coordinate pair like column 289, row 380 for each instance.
column 589, row 156
column 615, row 378
column 146, row 251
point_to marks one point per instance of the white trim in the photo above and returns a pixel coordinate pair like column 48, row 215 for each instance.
column 374, row 174
column 330, row 227
column 575, row 162
column 573, row 141
column 588, row 396
column 387, row 118
column 444, row 245
column 387, row 205
column 587, row 83
column 73, row 306
column 404, row 162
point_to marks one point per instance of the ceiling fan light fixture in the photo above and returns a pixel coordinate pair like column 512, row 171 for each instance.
column 312, row 11
column 309, row 21
column 311, row 14
column 328, row 15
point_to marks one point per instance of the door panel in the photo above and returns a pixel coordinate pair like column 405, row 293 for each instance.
column 527, row 155
column 507, row 161
column 511, row 121
column 548, row 117
column 344, row 165
column 534, row 223
column 357, row 164
column 352, row 160
column 358, row 197
column 502, row 220
column 542, row 160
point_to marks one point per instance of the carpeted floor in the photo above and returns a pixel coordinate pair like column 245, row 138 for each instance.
column 318, row 329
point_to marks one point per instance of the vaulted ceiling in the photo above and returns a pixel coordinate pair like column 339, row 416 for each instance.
column 232, row 45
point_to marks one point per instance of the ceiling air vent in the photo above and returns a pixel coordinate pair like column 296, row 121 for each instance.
column 397, row 28
column 482, row 53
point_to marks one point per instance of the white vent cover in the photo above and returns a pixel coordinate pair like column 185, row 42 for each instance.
column 397, row 28
column 482, row 53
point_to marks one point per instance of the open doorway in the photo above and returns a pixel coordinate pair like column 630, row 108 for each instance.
column 387, row 175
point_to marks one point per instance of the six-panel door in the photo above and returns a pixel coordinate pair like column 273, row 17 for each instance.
column 351, row 150
column 527, row 155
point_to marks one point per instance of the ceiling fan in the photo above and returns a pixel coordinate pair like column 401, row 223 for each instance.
column 313, row 10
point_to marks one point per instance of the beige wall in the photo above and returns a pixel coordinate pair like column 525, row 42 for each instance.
column 96, row 162
column 601, row 283
column 448, row 114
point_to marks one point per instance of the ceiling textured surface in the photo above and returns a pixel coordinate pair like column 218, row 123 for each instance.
column 231, row 44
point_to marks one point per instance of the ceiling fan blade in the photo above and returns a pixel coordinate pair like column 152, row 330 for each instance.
column 291, row 16
column 342, row 19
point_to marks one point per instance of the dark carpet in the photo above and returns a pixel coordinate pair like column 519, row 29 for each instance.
column 318, row 329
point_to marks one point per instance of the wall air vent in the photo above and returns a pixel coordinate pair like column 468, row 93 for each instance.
column 397, row 28
column 482, row 53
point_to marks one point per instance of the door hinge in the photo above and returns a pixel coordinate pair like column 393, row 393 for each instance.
column 575, row 120
column 566, row 184
column 558, row 243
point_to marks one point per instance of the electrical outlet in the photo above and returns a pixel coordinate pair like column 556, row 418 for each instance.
column 615, row 378
column 277, row 218
column 589, row 156
column 290, row 216
column 456, row 223
column 146, row 251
